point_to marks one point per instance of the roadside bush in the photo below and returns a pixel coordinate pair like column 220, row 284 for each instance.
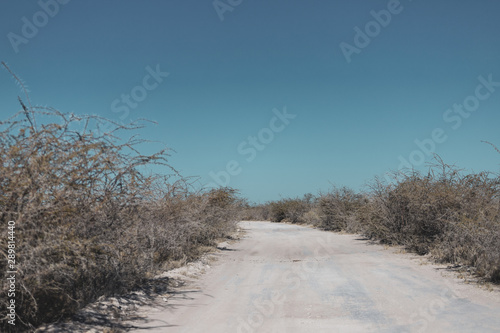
column 88, row 222
column 338, row 209
column 261, row 212
column 471, row 237
column 288, row 210
column 312, row 217
column 417, row 210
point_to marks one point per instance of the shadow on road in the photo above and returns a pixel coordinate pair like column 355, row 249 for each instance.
column 115, row 314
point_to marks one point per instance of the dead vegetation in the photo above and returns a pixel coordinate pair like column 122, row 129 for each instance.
column 89, row 220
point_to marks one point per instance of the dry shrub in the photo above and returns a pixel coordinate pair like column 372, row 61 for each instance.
column 288, row 210
column 338, row 208
column 472, row 234
column 452, row 215
column 312, row 217
column 256, row 212
column 418, row 210
column 88, row 221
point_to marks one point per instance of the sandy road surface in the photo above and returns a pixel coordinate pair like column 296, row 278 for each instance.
column 287, row 278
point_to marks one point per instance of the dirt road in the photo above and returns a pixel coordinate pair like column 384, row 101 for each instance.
column 287, row 278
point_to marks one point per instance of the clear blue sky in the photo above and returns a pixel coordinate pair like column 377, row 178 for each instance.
column 354, row 120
